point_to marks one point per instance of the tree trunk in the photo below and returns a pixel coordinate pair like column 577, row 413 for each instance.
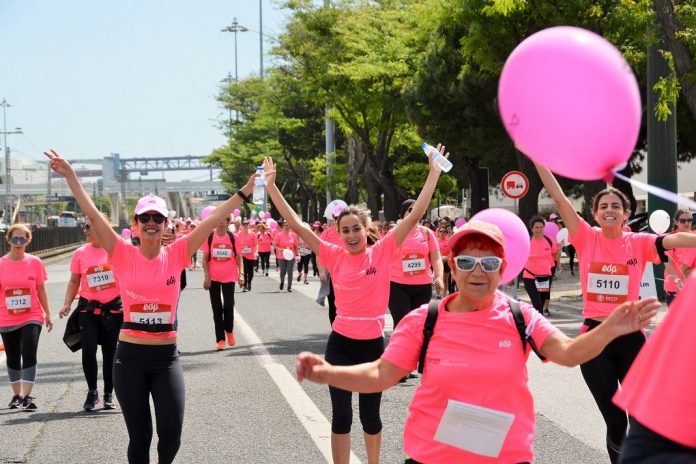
column 529, row 204
column 680, row 51
column 356, row 164
column 374, row 189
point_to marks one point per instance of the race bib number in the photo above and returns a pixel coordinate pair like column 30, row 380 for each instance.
column 413, row 264
column 100, row 277
column 607, row 283
column 246, row 250
column 221, row 252
column 18, row 300
column 151, row 313
column 543, row 286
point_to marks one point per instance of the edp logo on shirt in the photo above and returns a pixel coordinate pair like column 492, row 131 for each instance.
column 171, row 280
column 371, row 271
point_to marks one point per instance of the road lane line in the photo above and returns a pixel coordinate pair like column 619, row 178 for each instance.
column 309, row 415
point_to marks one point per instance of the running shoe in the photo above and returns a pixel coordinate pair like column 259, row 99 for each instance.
column 92, row 401
column 306, row 283
column 16, row 402
column 281, row 285
column 244, row 289
column 109, row 401
column 547, row 312
column 230, row 339
column 298, row 278
column 289, row 289
column 28, row 403
column 266, row 274
column 220, row 345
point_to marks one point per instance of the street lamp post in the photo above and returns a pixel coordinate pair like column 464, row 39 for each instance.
column 235, row 27
column 329, row 141
column 261, row 38
column 8, row 180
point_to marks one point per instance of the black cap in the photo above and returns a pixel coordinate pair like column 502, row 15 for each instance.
column 405, row 206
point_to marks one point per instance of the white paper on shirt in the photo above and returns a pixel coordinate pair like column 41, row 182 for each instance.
column 473, row 428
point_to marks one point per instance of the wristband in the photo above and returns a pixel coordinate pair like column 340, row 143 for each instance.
column 244, row 197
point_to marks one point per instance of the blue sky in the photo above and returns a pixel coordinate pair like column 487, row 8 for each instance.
column 137, row 78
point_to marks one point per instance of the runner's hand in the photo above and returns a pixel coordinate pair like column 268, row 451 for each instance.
column 48, row 321
column 633, row 315
column 269, row 170
column 206, row 284
column 58, row 163
column 312, row 367
column 64, row 311
column 433, row 167
column 322, row 277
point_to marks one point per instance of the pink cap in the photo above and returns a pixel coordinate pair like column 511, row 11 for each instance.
column 152, row 203
column 477, row 227
column 337, row 210
column 316, row 224
column 553, row 216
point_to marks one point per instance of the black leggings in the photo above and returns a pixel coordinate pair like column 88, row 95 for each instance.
column 404, row 298
column 20, row 348
column 93, row 333
column 643, row 446
column 248, row 271
column 538, row 298
column 315, row 268
column 223, row 308
column 304, row 263
column 570, row 251
column 344, row 351
column 265, row 257
column 141, row 371
column 332, row 302
column 603, row 375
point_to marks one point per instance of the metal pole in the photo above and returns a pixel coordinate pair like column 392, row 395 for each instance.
column 8, row 191
column 48, row 193
column 261, row 38
column 330, row 143
column 236, row 71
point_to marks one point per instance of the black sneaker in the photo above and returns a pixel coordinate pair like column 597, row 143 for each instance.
column 289, row 289
column 92, row 401
column 281, row 285
column 109, row 401
column 266, row 273
column 547, row 312
column 298, row 278
column 16, row 402
column 306, row 283
column 28, row 403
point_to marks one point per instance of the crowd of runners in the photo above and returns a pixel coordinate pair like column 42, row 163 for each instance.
column 440, row 284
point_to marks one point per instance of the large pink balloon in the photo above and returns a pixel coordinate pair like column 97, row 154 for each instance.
column 570, row 102
column 272, row 224
column 267, row 214
column 459, row 222
column 236, row 212
column 551, row 230
column 516, row 239
column 206, row 212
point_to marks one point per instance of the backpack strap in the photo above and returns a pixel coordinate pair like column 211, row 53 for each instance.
column 522, row 328
column 210, row 244
column 428, row 329
column 234, row 247
column 548, row 240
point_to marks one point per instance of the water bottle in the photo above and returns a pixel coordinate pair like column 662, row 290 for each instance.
column 259, row 186
column 439, row 159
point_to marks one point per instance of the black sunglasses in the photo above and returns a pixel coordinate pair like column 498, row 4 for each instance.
column 145, row 218
column 684, row 221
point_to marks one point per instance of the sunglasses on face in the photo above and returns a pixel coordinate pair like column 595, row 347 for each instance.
column 87, row 226
column 20, row 240
column 487, row 263
column 684, row 221
column 145, row 218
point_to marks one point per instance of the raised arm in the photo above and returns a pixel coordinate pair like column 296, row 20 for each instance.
column 201, row 233
column 107, row 236
column 679, row 240
column 565, row 207
column 421, row 205
column 285, row 210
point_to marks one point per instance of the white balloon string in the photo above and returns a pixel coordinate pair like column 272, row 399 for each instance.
column 657, row 191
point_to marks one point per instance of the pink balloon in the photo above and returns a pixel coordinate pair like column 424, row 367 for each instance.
column 570, row 102
column 206, row 212
column 267, row 214
column 459, row 222
column 272, row 224
column 551, row 230
column 516, row 239
column 236, row 212
column 125, row 233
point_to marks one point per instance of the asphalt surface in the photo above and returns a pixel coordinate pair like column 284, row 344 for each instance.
column 235, row 410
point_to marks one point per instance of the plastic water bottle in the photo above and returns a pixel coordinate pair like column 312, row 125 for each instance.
column 259, row 186
column 438, row 158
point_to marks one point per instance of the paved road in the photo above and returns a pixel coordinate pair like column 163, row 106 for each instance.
column 243, row 405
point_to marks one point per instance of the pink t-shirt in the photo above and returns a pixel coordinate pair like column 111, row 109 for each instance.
column 361, row 286
column 444, row 246
column 611, row 267
column 540, row 259
column 248, row 243
column 411, row 264
column 659, row 388
column 332, row 236
column 475, row 358
column 222, row 266
column 285, row 241
column 98, row 281
column 264, row 240
column 19, row 301
column 150, row 287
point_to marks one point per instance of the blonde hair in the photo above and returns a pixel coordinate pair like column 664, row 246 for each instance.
column 22, row 227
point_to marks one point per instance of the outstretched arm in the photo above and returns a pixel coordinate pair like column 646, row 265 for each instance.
column 309, row 237
column 107, row 236
column 419, row 207
column 565, row 207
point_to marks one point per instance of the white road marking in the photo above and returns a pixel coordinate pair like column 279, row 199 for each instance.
column 311, row 418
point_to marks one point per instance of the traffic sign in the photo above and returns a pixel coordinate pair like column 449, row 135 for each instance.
column 514, row 185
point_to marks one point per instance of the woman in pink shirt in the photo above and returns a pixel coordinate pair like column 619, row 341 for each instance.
column 100, row 313
column 475, row 363
column 285, row 243
column 658, row 392
column 442, row 239
column 23, row 310
column 265, row 240
column 538, row 271
column 611, row 265
column 360, row 275
column 674, row 277
column 147, row 358
column 249, row 244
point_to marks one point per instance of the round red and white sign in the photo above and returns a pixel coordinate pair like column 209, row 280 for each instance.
column 514, row 185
